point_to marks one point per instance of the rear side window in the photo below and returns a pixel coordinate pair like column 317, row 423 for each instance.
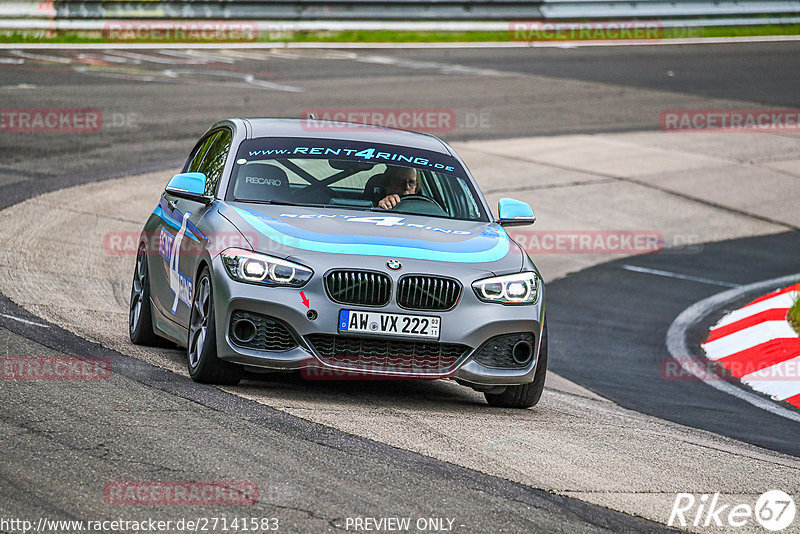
column 214, row 161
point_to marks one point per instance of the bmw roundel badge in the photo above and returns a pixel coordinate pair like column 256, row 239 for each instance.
column 393, row 265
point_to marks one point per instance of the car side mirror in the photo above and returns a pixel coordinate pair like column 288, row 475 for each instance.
column 189, row 185
column 514, row 213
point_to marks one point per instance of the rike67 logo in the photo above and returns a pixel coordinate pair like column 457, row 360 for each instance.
column 774, row 510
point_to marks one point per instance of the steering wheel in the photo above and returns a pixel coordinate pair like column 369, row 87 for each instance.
column 424, row 205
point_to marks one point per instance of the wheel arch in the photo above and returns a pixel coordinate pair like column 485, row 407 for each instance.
column 202, row 264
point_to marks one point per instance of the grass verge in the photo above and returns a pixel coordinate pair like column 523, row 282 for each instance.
column 386, row 36
column 794, row 314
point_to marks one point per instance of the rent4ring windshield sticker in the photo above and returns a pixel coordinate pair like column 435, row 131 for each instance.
column 272, row 148
column 363, row 322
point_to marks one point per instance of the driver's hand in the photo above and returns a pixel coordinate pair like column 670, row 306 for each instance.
column 389, row 202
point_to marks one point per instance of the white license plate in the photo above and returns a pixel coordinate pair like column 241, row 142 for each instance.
column 392, row 324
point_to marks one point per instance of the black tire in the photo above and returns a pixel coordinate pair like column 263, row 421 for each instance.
column 140, row 314
column 204, row 366
column 525, row 395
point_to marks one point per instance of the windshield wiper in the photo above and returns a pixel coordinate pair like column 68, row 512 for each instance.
column 278, row 203
column 337, row 202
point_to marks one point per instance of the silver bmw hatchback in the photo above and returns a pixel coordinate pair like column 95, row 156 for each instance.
column 338, row 251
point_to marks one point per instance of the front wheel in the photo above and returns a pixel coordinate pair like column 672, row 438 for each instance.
column 524, row 395
column 204, row 366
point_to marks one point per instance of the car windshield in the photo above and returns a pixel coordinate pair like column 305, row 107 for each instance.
column 421, row 184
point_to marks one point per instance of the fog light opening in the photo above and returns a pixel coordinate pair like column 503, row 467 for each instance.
column 244, row 331
column 522, row 352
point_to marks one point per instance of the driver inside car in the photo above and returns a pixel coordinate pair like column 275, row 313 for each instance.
column 397, row 182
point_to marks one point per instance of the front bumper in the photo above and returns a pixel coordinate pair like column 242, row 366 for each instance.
column 470, row 323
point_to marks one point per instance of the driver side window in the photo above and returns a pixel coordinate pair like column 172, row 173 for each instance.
column 196, row 157
column 214, row 160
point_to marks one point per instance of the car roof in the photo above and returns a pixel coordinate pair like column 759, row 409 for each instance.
column 263, row 127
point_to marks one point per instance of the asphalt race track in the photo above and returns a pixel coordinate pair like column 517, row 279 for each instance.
column 631, row 312
column 322, row 453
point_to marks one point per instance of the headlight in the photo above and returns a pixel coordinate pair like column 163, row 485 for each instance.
column 522, row 288
column 249, row 266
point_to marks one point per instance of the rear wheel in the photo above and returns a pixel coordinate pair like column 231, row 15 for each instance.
column 140, row 318
column 204, row 366
column 524, row 395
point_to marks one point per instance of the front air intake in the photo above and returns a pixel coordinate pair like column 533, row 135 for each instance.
column 412, row 357
column 259, row 332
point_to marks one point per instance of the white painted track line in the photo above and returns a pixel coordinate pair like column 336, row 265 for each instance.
column 678, row 276
column 25, row 321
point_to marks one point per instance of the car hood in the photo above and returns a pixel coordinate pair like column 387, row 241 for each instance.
column 304, row 232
